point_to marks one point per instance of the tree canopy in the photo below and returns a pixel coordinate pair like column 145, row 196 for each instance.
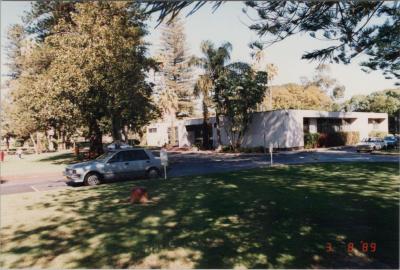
column 300, row 97
column 176, row 72
column 241, row 90
column 88, row 69
column 354, row 27
column 213, row 62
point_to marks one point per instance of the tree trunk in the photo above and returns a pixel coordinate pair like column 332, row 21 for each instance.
column 38, row 143
column 116, row 128
column 7, row 143
column 34, row 143
column 206, row 137
column 59, row 141
column 63, row 141
column 96, row 140
column 217, row 115
column 125, row 132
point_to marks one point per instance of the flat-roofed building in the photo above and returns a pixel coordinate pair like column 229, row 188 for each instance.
column 285, row 129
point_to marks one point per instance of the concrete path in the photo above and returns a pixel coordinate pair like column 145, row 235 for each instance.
column 197, row 163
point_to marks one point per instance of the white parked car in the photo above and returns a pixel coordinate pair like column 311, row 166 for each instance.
column 370, row 144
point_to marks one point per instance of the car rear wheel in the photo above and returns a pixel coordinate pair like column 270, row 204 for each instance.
column 153, row 173
column 92, row 179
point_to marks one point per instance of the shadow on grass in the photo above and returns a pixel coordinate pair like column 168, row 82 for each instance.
column 64, row 158
column 264, row 218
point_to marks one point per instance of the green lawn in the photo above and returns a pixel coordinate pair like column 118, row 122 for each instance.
column 36, row 164
column 279, row 217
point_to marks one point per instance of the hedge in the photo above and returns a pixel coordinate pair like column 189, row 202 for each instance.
column 379, row 134
column 338, row 138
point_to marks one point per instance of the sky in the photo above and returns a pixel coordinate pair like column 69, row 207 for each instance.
column 228, row 23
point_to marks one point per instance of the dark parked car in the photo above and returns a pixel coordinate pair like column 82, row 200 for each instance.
column 390, row 141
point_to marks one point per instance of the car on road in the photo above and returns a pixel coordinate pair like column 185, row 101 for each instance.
column 370, row 144
column 115, row 165
column 390, row 141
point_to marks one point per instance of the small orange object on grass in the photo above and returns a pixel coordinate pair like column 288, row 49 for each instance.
column 139, row 195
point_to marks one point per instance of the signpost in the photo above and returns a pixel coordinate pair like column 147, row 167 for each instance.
column 271, row 148
column 164, row 161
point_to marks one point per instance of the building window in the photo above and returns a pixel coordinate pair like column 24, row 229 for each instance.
column 374, row 123
column 152, row 130
column 329, row 125
column 306, row 125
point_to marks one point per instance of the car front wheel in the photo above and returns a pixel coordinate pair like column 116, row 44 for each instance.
column 153, row 173
column 92, row 179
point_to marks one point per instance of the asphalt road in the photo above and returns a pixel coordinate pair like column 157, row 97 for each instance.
column 184, row 164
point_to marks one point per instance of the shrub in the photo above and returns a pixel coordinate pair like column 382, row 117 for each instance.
column 379, row 134
column 338, row 138
column 311, row 140
column 350, row 138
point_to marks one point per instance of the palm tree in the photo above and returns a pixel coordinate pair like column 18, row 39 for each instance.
column 168, row 102
column 213, row 63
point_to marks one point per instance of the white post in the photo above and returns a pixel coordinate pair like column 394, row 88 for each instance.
column 164, row 161
column 265, row 148
column 270, row 151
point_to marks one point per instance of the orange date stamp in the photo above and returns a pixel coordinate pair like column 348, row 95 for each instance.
column 363, row 246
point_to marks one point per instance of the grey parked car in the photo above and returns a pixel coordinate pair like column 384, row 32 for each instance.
column 114, row 165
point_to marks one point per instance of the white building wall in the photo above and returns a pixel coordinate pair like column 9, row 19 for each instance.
column 160, row 137
column 282, row 128
column 278, row 127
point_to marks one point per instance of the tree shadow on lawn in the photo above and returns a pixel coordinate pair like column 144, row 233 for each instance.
column 265, row 218
column 63, row 158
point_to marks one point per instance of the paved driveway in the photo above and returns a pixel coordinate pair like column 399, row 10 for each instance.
column 196, row 163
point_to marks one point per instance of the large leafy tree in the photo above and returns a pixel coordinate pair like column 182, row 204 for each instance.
column 29, row 107
column 87, row 68
column 100, row 67
column 16, row 43
column 300, row 97
column 213, row 63
column 371, row 28
column 176, row 82
column 242, row 89
column 323, row 80
column 175, row 65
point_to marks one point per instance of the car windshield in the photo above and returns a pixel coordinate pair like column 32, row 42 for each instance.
column 390, row 138
column 105, row 156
